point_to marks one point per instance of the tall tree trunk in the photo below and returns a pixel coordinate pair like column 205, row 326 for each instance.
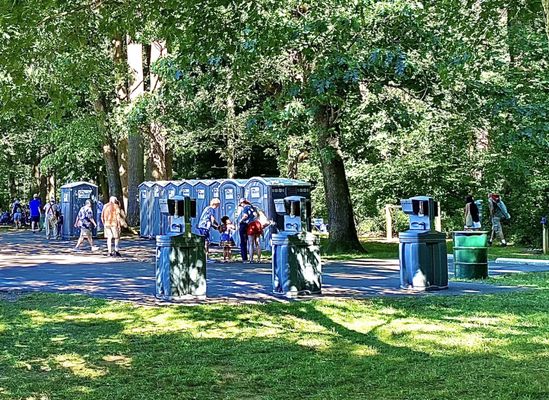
column 158, row 154
column 135, row 139
column 12, row 186
column 546, row 9
column 230, row 138
column 343, row 234
column 109, row 149
column 103, row 186
column 122, row 96
column 51, row 185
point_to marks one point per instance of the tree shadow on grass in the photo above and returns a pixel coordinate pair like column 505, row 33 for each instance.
column 68, row 347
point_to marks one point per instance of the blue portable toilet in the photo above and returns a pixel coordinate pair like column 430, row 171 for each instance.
column 157, row 201
column 203, row 192
column 170, row 191
column 185, row 188
column 262, row 192
column 230, row 191
column 73, row 197
column 145, row 208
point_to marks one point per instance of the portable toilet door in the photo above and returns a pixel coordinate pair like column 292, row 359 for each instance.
column 145, row 196
column 73, row 197
column 230, row 191
column 203, row 193
column 170, row 191
column 258, row 192
column 185, row 188
column 158, row 190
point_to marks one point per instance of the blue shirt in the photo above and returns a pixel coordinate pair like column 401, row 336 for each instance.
column 206, row 218
column 248, row 211
column 34, row 206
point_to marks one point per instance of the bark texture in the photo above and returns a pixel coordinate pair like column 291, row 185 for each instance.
column 109, row 150
column 545, row 4
column 343, row 234
column 135, row 169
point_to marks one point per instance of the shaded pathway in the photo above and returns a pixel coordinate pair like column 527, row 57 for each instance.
column 28, row 262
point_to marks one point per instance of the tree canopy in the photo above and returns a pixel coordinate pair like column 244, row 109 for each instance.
column 372, row 101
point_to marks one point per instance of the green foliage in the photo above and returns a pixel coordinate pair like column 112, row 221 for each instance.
column 444, row 98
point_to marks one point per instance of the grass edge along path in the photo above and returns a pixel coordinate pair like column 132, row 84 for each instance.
column 466, row 347
column 389, row 250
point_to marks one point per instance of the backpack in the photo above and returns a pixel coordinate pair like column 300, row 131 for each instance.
column 500, row 205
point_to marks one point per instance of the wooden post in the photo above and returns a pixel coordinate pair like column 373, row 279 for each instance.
column 388, row 223
column 438, row 219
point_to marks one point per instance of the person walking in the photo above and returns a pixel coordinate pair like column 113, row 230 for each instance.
column 498, row 213
column 35, row 208
column 207, row 220
column 86, row 222
column 51, row 211
column 244, row 217
column 471, row 213
column 17, row 213
column 110, row 217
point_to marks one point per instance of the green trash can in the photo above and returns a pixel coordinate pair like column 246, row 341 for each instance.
column 471, row 254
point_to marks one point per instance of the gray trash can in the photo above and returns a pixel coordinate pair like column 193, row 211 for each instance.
column 296, row 264
column 180, row 267
column 422, row 250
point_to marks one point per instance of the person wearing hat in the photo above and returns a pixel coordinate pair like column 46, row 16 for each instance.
column 498, row 213
column 207, row 220
column 245, row 217
column 51, row 210
column 35, row 206
column 86, row 222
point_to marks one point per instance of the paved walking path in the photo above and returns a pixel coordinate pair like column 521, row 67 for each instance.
column 28, row 262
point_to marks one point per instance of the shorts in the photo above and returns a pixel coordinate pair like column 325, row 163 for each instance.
column 254, row 228
column 496, row 224
column 112, row 232
column 85, row 233
column 35, row 218
column 17, row 216
column 205, row 233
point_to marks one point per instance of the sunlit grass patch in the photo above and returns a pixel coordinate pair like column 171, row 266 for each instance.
column 467, row 347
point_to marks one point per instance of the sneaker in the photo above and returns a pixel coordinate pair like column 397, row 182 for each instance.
column 489, row 243
column 94, row 248
column 117, row 254
column 76, row 249
column 504, row 245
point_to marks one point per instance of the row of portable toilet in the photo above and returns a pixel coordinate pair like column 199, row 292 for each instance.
column 260, row 191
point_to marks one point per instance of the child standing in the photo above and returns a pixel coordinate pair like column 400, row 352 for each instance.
column 227, row 230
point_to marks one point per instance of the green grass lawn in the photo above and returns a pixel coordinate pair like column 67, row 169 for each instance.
column 389, row 250
column 467, row 347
